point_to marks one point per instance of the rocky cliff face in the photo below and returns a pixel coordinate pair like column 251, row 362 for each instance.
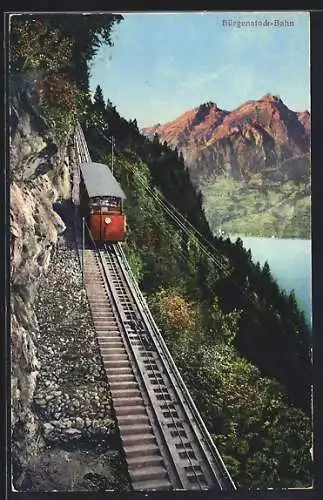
column 247, row 163
column 255, row 136
column 64, row 435
column 39, row 175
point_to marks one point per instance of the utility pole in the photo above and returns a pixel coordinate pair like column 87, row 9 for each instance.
column 83, row 246
column 112, row 145
column 111, row 140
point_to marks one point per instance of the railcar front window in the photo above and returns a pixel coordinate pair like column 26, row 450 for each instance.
column 94, row 208
column 104, row 205
column 113, row 202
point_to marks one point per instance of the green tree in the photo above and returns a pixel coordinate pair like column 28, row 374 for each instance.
column 36, row 46
column 250, row 420
column 98, row 100
column 76, row 37
column 204, row 315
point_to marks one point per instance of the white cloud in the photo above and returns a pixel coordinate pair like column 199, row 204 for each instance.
column 198, row 80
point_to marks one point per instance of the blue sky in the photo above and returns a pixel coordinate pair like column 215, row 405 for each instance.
column 164, row 64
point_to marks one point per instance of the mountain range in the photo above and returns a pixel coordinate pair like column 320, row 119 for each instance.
column 251, row 164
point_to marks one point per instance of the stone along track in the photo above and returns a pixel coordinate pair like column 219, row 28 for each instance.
column 165, row 442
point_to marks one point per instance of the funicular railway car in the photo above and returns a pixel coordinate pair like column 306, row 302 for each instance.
column 101, row 199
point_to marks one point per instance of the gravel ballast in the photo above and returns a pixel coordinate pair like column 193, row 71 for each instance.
column 72, row 397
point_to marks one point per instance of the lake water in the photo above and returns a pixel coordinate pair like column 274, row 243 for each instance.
column 290, row 262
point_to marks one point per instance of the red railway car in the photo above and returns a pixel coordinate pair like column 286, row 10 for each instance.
column 102, row 202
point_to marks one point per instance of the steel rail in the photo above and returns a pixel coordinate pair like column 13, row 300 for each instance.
column 157, row 379
column 178, row 426
column 121, row 322
column 176, row 482
column 210, row 454
column 224, row 477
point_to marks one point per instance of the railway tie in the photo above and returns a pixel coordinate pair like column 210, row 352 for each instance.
column 166, row 443
column 145, row 464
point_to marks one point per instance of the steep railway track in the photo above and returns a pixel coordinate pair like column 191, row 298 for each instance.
column 165, row 441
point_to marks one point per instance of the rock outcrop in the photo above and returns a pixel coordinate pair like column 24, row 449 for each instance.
column 255, row 136
column 252, row 165
column 64, row 435
column 39, row 175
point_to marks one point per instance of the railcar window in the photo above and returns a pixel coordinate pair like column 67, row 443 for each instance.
column 112, row 201
column 104, row 205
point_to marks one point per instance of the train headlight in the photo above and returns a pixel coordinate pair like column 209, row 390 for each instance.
column 107, row 220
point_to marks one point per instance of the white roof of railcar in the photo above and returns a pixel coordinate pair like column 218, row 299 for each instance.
column 99, row 180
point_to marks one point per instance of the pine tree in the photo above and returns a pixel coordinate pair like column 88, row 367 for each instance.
column 135, row 124
column 98, row 99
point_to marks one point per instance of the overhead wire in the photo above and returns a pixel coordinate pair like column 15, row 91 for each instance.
column 186, row 226
column 206, row 247
column 206, row 252
column 188, row 229
column 159, row 383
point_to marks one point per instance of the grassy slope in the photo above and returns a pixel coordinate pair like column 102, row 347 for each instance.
column 255, row 210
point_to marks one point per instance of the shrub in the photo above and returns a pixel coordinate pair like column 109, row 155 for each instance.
column 61, row 101
column 36, row 46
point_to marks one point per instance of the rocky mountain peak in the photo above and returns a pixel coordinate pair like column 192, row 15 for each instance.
column 305, row 119
column 210, row 137
column 271, row 98
column 208, row 105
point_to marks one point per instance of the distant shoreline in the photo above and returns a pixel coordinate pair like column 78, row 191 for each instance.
column 241, row 236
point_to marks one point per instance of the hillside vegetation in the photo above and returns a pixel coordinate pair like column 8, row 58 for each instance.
column 241, row 343
column 253, row 209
